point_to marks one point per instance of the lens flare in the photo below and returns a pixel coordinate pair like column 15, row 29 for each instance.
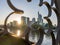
column 18, row 33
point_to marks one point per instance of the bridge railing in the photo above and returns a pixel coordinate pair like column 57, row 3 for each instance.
column 56, row 9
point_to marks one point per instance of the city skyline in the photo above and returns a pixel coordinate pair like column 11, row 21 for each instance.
column 25, row 19
column 30, row 10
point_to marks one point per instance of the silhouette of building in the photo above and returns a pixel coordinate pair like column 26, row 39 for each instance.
column 40, row 20
column 11, row 24
column 23, row 20
column 27, row 20
column 15, row 23
column 33, row 20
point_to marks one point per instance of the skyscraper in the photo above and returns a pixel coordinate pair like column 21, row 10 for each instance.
column 40, row 20
column 33, row 20
column 14, row 23
column 23, row 20
column 27, row 20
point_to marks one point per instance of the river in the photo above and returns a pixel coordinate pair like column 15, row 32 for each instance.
column 46, row 41
column 34, row 37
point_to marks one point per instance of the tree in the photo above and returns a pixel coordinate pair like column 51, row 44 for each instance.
column 35, row 25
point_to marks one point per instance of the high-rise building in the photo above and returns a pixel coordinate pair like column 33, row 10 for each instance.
column 14, row 23
column 40, row 20
column 27, row 20
column 33, row 20
column 11, row 24
column 23, row 20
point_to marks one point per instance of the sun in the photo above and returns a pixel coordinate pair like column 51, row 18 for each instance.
column 15, row 17
column 18, row 20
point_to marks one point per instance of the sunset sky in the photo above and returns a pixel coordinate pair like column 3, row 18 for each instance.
column 30, row 10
